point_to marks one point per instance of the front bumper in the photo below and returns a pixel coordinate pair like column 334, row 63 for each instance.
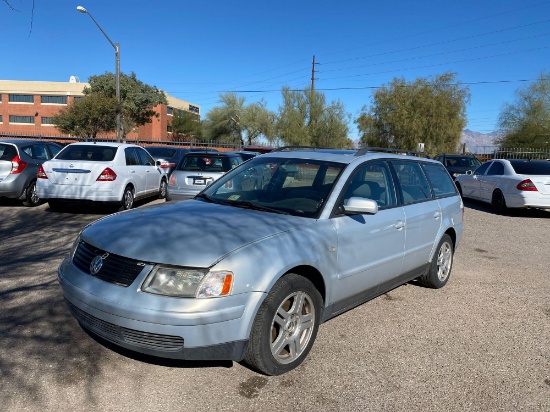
column 178, row 328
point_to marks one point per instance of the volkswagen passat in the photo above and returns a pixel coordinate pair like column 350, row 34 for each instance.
column 116, row 173
column 250, row 272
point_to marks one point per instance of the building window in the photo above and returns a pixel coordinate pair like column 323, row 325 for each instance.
column 78, row 98
column 169, row 128
column 54, row 99
column 193, row 109
column 21, row 119
column 170, row 110
column 0, row 118
column 47, row 120
column 21, row 98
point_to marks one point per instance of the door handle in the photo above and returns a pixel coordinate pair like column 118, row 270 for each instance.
column 400, row 225
column 437, row 215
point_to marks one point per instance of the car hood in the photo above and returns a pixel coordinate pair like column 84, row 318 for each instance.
column 191, row 233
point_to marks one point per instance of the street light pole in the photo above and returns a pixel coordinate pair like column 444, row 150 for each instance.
column 116, row 46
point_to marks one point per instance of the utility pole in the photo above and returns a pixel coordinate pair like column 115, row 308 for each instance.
column 313, row 74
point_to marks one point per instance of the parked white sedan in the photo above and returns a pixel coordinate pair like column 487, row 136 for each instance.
column 116, row 173
column 508, row 184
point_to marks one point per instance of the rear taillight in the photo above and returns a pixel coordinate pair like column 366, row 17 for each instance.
column 17, row 165
column 108, row 175
column 167, row 165
column 527, row 186
column 41, row 173
column 172, row 180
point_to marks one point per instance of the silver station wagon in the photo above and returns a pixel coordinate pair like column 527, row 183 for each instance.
column 249, row 268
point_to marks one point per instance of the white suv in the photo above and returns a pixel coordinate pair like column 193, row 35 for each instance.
column 116, row 173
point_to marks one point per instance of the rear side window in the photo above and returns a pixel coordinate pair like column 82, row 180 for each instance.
column 442, row 184
column 94, row 153
column 412, row 182
column 497, row 169
column 131, row 156
column 37, row 151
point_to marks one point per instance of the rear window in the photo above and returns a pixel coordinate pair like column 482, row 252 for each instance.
column 522, row 167
column 95, row 153
column 7, row 152
column 165, row 152
column 205, row 163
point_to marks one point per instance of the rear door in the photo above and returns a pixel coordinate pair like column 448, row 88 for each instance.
column 422, row 213
column 134, row 171
column 148, row 168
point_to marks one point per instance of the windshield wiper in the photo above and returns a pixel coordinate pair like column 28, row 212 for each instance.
column 249, row 205
column 207, row 198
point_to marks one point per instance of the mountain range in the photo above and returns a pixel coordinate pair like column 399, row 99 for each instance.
column 477, row 142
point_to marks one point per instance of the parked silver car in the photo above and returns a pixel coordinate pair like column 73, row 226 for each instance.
column 247, row 272
column 197, row 170
column 19, row 162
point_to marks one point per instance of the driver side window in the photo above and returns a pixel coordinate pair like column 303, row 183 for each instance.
column 372, row 181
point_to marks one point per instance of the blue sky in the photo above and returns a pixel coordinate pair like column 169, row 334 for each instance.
column 197, row 50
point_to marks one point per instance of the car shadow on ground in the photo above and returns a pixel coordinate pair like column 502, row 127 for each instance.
column 525, row 213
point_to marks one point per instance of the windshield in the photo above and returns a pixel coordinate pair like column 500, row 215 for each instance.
column 165, row 152
column 469, row 162
column 280, row 185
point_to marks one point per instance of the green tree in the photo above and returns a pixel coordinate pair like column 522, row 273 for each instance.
column 186, row 126
column 137, row 98
column 88, row 116
column 430, row 111
column 304, row 119
column 526, row 121
column 235, row 122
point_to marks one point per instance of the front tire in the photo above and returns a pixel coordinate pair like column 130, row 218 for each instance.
column 127, row 199
column 32, row 198
column 442, row 263
column 285, row 327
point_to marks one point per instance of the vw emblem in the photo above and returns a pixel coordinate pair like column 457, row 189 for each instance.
column 96, row 265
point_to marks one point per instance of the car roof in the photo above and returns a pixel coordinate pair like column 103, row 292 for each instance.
column 340, row 156
column 110, row 144
column 210, row 152
column 24, row 141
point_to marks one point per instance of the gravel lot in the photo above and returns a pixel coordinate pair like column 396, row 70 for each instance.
column 482, row 343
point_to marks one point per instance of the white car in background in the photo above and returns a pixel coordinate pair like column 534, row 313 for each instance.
column 116, row 173
column 508, row 184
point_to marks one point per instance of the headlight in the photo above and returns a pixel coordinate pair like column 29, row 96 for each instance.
column 188, row 282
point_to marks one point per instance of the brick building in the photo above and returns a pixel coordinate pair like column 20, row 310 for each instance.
column 27, row 107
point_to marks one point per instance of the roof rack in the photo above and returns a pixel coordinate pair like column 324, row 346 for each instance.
column 290, row 148
column 406, row 152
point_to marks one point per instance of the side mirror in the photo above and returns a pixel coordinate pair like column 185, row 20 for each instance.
column 361, row 205
column 158, row 163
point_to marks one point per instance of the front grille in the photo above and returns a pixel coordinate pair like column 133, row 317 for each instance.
column 118, row 334
column 115, row 269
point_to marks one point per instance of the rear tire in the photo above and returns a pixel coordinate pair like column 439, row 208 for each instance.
column 285, row 326
column 32, row 198
column 442, row 263
column 127, row 199
column 498, row 202
column 163, row 189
